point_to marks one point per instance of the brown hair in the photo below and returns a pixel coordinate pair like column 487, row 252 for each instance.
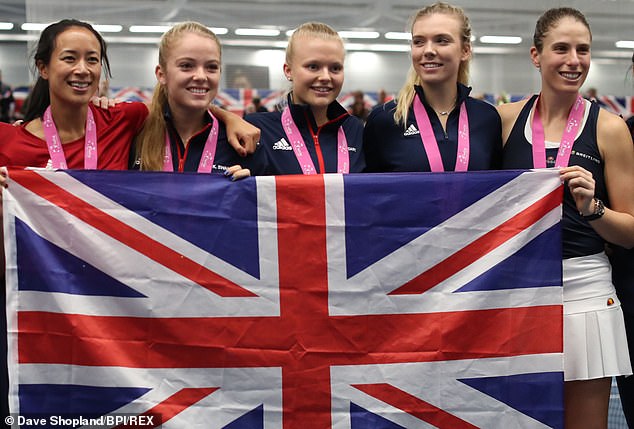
column 405, row 96
column 150, row 143
column 550, row 18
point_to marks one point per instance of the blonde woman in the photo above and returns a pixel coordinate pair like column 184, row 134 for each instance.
column 314, row 134
column 433, row 125
column 181, row 134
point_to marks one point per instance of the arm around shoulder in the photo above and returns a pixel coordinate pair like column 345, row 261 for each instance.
column 242, row 136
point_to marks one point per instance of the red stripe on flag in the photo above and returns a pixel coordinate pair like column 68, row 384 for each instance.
column 304, row 340
column 247, row 97
column 482, row 246
column 415, row 406
column 172, row 406
column 129, row 236
column 301, row 211
column 265, row 341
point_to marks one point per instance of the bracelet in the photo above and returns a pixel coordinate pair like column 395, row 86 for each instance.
column 599, row 211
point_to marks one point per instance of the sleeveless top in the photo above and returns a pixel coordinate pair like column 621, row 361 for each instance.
column 579, row 238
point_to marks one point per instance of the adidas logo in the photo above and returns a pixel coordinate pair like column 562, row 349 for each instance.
column 282, row 144
column 411, row 131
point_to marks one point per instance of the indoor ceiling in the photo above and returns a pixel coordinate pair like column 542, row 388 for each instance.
column 611, row 20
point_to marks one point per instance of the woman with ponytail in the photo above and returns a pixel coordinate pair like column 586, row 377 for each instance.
column 181, row 133
column 433, row 125
column 70, row 58
column 592, row 149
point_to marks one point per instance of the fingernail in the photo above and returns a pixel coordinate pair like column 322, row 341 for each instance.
column 226, row 173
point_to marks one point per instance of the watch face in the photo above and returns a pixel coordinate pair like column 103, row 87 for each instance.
column 599, row 210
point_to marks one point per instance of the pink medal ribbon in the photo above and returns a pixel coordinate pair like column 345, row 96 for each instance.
column 301, row 152
column 209, row 151
column 431, row 144
column 575, row 117
column 54, row 144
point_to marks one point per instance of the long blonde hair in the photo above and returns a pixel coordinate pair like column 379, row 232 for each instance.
column 405, row 96
column 150, row 143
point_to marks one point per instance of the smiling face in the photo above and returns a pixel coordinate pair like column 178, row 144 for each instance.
column 74, row 68
column 316, row 70
column 191, row 72
column 564, row 59
column 437, row 49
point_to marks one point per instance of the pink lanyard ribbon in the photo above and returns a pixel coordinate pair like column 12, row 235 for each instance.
column 54, row 144
column 301, row 152
column 575, row 117
column 209, row 151
column 431, row 144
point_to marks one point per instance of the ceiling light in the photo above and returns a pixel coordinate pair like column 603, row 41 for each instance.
column 505, row 40
column 397, row 35
column 107, row 28
column 626, row 44
column 149, row 28
column 6, row 26
column 359, row 34
column 137, row 40
column 265, row 44
column 376, row 47
column 494, row 50
column 33, row 26
column 9, row 37
column 219, row 30
column 257, row 32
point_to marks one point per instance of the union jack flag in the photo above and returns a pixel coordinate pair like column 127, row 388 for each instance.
column 238, row 99
column 623, row 106
column 326, row 301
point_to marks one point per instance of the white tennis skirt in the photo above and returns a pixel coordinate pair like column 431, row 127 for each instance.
column 595, row 344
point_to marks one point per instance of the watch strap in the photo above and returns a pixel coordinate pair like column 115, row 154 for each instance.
column 599, row 211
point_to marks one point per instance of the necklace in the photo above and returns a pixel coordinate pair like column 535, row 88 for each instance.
column 446, row 112
column 431, row 144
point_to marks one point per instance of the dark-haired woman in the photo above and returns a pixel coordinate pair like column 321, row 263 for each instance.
column 593, row 150
column 62, row 129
